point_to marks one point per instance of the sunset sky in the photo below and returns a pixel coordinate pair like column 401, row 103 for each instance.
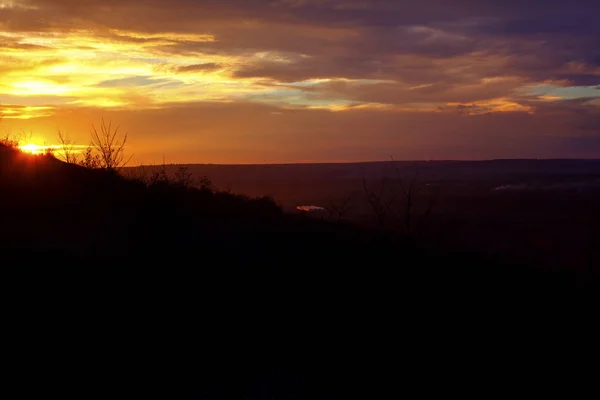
column 265, row 81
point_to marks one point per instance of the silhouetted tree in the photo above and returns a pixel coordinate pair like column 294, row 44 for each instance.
column 183, row 177
column 67, row 150
column 379, row 201
column 408, row 195
column 16, row 139
column 159, row 177
column 401, row 197
column 338, row 209
column 109, row 146
column 413, row 207
column 91, row 159
column 206, row 184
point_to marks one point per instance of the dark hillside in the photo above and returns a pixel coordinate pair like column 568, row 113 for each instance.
column 542, row 211
column 115, row 286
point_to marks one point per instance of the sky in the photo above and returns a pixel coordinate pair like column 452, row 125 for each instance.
column 282, row 81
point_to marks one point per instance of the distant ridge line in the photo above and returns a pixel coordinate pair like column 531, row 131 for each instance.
column 375, row 162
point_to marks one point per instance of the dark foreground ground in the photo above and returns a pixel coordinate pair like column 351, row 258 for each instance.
column 115, row 288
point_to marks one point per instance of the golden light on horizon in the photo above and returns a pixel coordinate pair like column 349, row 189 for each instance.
column 32, row 148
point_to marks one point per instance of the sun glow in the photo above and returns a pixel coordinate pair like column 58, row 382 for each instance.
column 36, row 88
column 33, row 148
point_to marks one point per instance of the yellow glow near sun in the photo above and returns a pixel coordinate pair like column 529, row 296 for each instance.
column 32, row 88
column 33, row 148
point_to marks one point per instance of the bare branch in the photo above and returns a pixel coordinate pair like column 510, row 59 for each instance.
column 67, row 149
column 109, row 146
column 338, row 210
column 379, row 204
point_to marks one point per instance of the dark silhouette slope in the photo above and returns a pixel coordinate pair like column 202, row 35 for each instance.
column 191, row 293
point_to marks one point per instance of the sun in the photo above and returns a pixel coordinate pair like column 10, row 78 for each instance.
column 33, row 148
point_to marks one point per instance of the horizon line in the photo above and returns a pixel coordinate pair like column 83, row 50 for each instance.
column 369, row 162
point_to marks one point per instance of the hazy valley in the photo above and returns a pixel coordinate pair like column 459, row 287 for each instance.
column 545, row 211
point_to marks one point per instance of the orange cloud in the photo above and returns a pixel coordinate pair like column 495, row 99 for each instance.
column 67, row 63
